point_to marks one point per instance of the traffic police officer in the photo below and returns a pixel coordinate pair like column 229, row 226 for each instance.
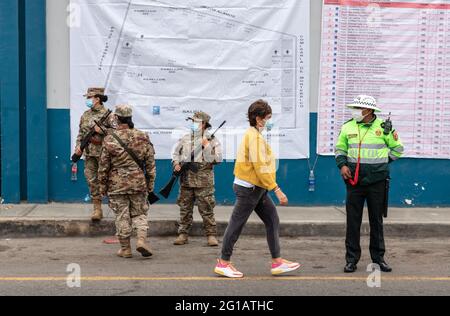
column 363, row 153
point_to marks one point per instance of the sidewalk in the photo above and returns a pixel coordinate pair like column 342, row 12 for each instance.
column 72, row 220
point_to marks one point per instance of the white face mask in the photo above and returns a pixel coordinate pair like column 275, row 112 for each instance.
column 358, row 115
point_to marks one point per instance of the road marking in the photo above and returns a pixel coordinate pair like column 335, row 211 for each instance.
column 286, row 278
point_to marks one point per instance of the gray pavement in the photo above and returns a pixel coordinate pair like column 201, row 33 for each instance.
column 38, row 267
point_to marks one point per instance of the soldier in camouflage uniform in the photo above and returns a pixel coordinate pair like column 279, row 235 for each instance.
column 197, row 187
column 125, row 183
column 94, row 101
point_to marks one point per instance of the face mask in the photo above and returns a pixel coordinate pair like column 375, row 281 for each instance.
column 269, row 125
column 358, row 115
column 89, row 103
column 195, row 127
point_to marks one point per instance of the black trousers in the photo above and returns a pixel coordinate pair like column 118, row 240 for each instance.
column 356, row 197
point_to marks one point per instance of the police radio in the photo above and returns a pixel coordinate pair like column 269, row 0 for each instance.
column 387, row 125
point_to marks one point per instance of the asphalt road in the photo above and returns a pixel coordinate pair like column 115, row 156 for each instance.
column 39, row 267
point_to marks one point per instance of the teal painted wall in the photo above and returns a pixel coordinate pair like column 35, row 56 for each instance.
column 23, row 106
column 10, row 100
column 35, row 101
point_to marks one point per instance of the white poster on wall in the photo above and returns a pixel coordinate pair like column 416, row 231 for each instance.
column 171, row 58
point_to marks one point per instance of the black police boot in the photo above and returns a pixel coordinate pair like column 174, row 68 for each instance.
column 384, row 267
column 350, row 268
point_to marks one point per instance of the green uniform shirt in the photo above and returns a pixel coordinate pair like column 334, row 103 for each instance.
column 377, row 150
column 205, row 158
column 118, row 172
column 87, row 121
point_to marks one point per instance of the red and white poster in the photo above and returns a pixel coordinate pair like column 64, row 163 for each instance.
column 397, row 52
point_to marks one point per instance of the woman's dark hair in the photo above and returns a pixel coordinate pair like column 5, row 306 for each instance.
column 103, row 98
column 126, row 120
column 258, row 109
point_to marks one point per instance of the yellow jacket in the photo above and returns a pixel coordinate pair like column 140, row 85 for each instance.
column 255, row 161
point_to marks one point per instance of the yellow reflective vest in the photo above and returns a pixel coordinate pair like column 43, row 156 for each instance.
column 376, row 149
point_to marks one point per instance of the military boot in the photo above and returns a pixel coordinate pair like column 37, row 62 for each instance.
column 142, row 247
column 125, row 250
column 97, row 215
column 212, row 241
column 183, row 239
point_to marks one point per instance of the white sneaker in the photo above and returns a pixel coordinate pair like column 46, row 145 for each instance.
column 284, row 267
column 227, row 270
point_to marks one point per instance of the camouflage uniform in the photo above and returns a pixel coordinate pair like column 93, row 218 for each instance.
column 92, row 152
column 124, row 181
column 197, row 187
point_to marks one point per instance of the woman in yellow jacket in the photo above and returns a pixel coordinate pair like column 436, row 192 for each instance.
column 255, row 177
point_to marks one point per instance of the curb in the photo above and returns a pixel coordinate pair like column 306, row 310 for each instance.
column 59, row 228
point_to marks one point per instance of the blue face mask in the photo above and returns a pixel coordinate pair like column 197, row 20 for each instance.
column 269, row 125
column 89, row 103
column 195, row 127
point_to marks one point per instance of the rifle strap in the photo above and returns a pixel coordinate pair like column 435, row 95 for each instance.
column 132, row 154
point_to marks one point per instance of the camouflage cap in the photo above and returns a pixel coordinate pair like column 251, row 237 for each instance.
column 124, row 110
column 201, row 116
column 92, row 92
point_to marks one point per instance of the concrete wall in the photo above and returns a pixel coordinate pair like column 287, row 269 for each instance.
column 419, row 180
column 58, row 55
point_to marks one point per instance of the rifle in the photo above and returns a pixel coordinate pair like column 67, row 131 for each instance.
column 165, row 192
column 151, row 197
column 213, row 135
column 87, row 139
